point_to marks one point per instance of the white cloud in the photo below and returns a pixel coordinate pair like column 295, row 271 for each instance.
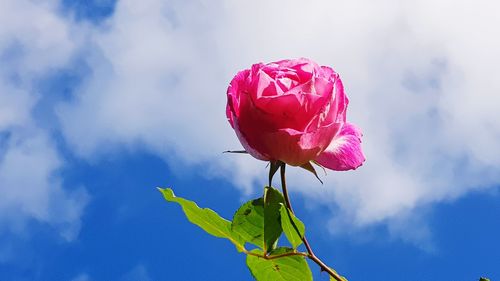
column 30, row 187
column 33, row 41
column 421, row 76
column 15, row 106
column 139, row 272
column 82, row 277
column 36, row 45
column 155, row 86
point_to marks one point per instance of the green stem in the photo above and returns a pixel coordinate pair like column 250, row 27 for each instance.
column 272, row 257
column 311, row 254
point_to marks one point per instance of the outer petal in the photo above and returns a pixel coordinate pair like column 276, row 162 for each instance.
column 340, row 101
column 292, row 111
column 297, row 148
column 233, row 93
column 344, row 152
column 243, row 140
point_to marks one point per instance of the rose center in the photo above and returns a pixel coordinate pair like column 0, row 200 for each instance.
column 286, row 83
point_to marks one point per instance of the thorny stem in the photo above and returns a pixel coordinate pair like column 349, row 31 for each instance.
column 311, row 254
column 272, row 257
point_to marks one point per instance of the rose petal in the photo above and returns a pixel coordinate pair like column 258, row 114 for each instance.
column 296, row 108
column 338, row 110
column 244, row 142
column 252, row 119
column 296, row 148
column 291, row 111
column 233, row 92
column 344, row 152
column 304, row 68
column 275, row 71
column 263, row 86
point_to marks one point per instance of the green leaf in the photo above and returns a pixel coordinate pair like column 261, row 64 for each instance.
column 205, row 218
column 272, row 224
column 248, row 222
column 288, row 268
column 484, row 279
column 333, row 279
column 292, row 226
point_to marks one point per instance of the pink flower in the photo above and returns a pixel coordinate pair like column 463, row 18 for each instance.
column 294, row 111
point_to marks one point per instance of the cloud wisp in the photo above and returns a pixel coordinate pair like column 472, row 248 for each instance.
column 419, row 87
column 31, row 188
column 420, row 77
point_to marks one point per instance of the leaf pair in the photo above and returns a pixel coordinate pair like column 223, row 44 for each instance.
column 262, row 221
column 259, row 222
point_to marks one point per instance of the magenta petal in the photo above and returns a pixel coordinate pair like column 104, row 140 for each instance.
column 243, row 140
column 297, row 148
column 344, row 152
column 233, row 93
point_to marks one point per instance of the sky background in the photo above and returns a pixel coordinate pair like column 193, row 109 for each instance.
column 102, row 101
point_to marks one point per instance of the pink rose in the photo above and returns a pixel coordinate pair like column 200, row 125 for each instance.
column 294, row 111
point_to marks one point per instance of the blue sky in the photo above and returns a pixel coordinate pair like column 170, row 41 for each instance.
column 103, row 101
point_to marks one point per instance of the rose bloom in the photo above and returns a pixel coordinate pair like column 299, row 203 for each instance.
column 294, row 111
